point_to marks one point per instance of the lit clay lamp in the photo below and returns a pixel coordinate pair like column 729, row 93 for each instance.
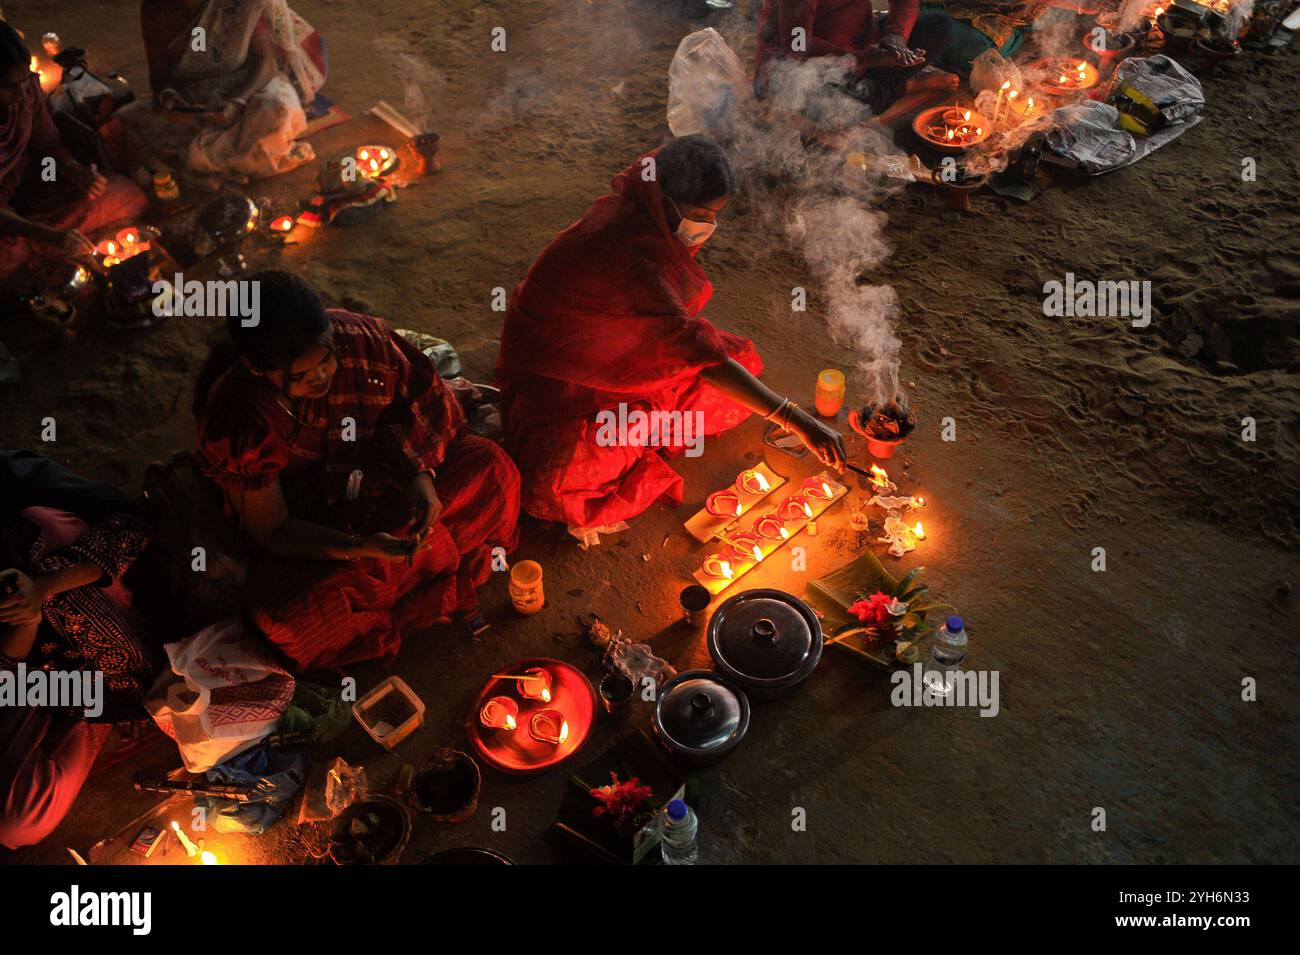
column 715, row 565
column 745, row 547
column 817, row 489
column 375, row 161
column 282, row 224
column 795, row 507
column 536, row 685
column 752, row 482
column 499, row 713
column 549, row 726
column 723, row 504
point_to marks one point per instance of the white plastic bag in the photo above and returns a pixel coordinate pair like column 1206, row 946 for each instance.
column 222, row 695
column 705, row 81
column 991, row 69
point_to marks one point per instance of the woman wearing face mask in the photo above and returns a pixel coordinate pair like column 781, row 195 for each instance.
column 608, row 315
column 289, row 411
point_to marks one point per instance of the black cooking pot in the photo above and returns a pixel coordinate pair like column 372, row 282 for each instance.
column 766, row 641
column 700, row 717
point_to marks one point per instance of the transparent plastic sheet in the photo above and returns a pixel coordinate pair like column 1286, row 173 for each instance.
column 637, row 661
column 1087, row 134
column 706, row 81
column 1174, row 91
column 991, row 69
column 590, row 536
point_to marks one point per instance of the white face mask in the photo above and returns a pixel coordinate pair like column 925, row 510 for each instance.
column 691, row 232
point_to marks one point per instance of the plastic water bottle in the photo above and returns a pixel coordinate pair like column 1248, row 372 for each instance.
column 678, row 829
column 949, row 650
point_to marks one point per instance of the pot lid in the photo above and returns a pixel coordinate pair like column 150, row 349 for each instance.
column 699, row 712
column 765, row 638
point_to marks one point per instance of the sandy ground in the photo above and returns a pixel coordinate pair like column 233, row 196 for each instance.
column 1120, row 690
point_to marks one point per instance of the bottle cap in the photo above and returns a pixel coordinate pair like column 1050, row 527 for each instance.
column 956, row 624
column 677, row 810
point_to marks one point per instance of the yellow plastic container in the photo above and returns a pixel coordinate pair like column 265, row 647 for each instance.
column 829, row 395
column 526, row 591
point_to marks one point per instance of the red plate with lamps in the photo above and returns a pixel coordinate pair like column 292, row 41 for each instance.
column 517, row 749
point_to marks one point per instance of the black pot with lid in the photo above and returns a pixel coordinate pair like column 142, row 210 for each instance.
column 765, row 640
column 700, row 717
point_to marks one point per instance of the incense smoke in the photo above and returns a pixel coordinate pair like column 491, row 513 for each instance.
column 822, row 194
column 1237, row 15
column 1131, row 13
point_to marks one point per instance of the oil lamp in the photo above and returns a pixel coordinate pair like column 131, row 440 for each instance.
column 535, row 684
column 793, row 508
column 282, row 223
column 715, row 565
column 48, row 73
column 499, row 713
column 817, row 489
column 548, row 726
column 723, row 503
column 743, row 547
column 752, row 482
column 375, row 161
column 771, row 527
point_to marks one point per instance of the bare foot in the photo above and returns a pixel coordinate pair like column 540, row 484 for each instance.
column 930, row 80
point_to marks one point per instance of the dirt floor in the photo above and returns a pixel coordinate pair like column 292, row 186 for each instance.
column 1120, row 690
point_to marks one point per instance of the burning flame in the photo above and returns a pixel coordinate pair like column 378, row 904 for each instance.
column 1006, row 84
column 785, row 534
column 758, row 554
column 1013, row 94
column 879, row 477
column 208, row 858
column 807, row 509
column 738, row 509
column 919, row 531
column 510, row 722
column 564, row 731
column 827, row 488
column 763, row 484
column 546, row 694
column 966, row 116
column 920, row 501
column 725, row 567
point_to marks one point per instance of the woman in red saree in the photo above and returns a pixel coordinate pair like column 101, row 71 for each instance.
column 37, row 215
column 348, row 462
column 608, row 315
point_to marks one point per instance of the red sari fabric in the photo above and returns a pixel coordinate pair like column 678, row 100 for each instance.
column 332, row 613
column 27, row 136
column 831, row 27
column 609, row 314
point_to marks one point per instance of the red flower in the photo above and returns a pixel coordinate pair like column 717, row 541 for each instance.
column 622, row 801
column 873, row 610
